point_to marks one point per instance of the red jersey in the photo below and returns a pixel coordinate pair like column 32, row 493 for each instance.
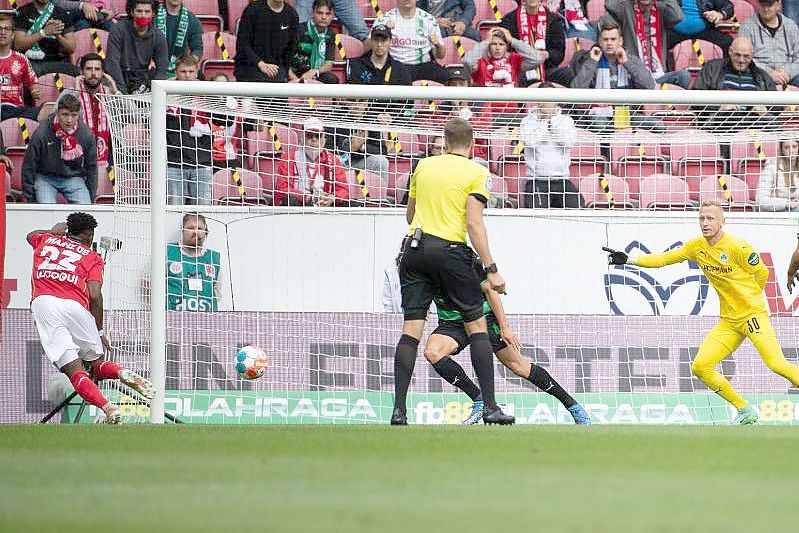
column 62, row 268
column 15, row 74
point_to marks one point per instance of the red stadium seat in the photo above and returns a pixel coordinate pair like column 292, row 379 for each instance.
column 617, row 195
column 694, row 155
column 636, row 154
column 686, row 57
column 89, row 40
column 347, row 47
column 235, row 8
column 219, row 49
column 207, row 12
column 401, row 186
column 372, row 9
column 742, row 10
column 105, row 190
column 595, row 9
column 372, row 184
column 274, row 140
column 586, row 155
column 136, row 136
column 514, row 177
column 456, row 47
column 488, row 15
column 53, row 84
column 730, row 189
column 16, row 145
column 574, row 45
column 747, row 159
column 226, row 189
column 664, row 191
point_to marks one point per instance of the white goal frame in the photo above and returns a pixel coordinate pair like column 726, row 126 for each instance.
column 162, row 90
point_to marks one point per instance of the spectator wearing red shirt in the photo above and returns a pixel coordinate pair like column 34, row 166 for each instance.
column 311, row 174
column 16, row 76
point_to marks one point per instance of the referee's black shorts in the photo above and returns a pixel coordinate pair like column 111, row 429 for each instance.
column 442, row 267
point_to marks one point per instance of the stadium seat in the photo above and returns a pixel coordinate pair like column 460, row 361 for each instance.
column 53, row 84
column 401, row 185
column 136, row 136
column 664, row 191
column 586, row 155
column 402, row 144
column 636, row 154
column 514, row 176
column 595, row 9
column 686, row 57
column 373, row 184
column 742, row 11
column 372, row 9
column 5, row 5
column 218, row 57
column 455, row 48
column 105, row 190
column 694, row 154
column 273, row 140
column 207, row 12
column 730, row 189
column 574, row 45
column 347, row 47
column 747, row 159
column 16, row 146
column 226, row 190
column 594, row 194
column 235, row 8
column 488, row 15
column 89, row 40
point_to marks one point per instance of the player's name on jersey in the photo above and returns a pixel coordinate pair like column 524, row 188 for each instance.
column 57, row 276
column 68, row 244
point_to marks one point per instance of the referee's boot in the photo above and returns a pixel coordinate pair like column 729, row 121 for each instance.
column 495, row 415
column 398, row 417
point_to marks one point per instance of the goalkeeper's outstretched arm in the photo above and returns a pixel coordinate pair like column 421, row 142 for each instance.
column 670, row 257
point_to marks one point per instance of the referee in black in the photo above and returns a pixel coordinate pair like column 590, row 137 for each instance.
column 447, row 196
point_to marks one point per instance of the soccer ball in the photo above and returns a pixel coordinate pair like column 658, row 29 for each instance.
column 251, row 362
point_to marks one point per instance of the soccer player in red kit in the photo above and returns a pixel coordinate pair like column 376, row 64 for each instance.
column 67, row 306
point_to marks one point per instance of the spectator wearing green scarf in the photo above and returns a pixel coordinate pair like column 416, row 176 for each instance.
column 313, row 59
column 182, row 30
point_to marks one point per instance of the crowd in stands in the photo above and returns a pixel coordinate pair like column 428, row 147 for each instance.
column 56, row 56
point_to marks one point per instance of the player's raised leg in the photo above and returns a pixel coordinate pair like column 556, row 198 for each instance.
column 102, row 369
column 719, row 344
column 441, row 345
column 762, row 334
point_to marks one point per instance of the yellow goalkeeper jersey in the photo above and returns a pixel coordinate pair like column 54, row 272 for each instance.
column 731, row 266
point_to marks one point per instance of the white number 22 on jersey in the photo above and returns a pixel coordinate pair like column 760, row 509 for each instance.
column 57, row 259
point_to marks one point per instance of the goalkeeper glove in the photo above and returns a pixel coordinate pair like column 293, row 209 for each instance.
column 615, row 257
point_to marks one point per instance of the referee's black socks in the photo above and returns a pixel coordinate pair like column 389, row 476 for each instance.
column 404, row 361
column 454, row 374
column 483, row 363
column 541, row 379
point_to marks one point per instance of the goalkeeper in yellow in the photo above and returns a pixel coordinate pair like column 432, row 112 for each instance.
column 736, row 272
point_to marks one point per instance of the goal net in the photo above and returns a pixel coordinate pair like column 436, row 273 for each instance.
column 301, row 188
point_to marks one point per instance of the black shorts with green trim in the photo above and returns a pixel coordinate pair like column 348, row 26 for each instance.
column 457, row 332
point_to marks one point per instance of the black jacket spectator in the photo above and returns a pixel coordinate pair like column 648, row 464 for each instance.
column 129, row 56
column 268, row 36
column 188, row 138
column 27, row 15
column 362, row 71
column 44, row 157
column 712, row 76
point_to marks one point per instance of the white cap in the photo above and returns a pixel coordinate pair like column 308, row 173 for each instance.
column 313, row 124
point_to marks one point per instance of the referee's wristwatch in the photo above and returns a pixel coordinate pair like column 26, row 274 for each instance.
column 491, row 269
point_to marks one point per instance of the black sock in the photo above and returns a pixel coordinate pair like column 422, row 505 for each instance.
column 541, row 379
column 482, row 361
column 454, row 374
column 404, row 361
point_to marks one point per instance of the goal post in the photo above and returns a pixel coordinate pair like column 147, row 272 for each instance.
column 620, row 339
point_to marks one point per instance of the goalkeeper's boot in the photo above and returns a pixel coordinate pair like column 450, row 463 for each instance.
column 496, row 416
column 112, row 415
column 580, row 415
column 746, row 415
column 476, row 414
column 398, row 417
column 137, row 383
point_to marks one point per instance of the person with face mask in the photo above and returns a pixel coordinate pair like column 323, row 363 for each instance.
column 311, row 174
column 133, row 45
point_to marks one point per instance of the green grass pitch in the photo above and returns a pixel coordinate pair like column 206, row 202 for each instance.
column 380, row 479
